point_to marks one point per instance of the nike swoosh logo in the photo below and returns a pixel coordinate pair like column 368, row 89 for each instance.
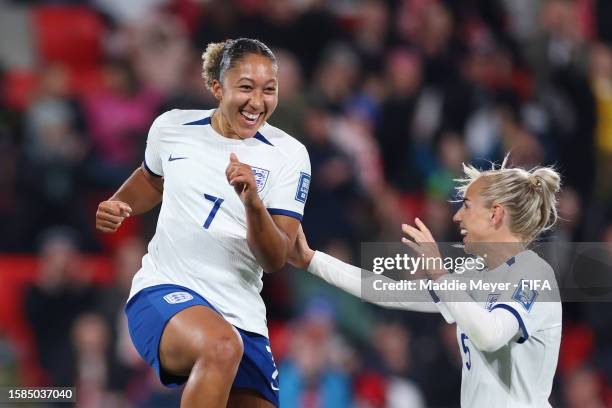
column 176, row 158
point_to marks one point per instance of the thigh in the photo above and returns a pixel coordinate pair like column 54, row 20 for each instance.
column 257, row 372
column 242, row 398
column 188, row 333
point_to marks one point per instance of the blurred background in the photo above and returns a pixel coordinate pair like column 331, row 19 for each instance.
column 390, row 97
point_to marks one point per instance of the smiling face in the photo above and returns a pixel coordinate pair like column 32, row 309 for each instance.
column 247, row 97
column 476, row 218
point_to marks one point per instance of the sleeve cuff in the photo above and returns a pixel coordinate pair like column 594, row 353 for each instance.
column 516, row 314
column 312, row 266
column 151, row 172
column 287, row 213
column 433, row 294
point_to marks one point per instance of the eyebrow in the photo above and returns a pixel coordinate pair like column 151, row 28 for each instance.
column 252, row 80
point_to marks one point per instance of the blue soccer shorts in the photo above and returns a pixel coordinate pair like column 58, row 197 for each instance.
column 149, row 311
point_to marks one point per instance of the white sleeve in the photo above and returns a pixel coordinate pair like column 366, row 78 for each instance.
column 487, row 330
column 153, row 158
column 288, row 195
column 520, row 305
column 529, row 306
column 349, row 278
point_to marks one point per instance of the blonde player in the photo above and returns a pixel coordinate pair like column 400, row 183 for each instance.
column 509, row 340
column 233, row 190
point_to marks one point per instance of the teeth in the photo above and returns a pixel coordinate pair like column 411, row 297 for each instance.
column 463, row 231
column 251, row 116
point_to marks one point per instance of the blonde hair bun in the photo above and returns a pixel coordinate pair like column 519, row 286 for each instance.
column 530, row 197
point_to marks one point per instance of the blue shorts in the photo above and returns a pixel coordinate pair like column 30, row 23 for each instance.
column 149, row 311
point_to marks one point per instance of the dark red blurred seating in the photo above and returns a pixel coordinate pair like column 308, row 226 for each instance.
column 16, row 274
column 68, row 35
column 20, row 87
column 85, row 81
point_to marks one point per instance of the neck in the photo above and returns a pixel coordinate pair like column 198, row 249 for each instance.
column 222, row 126
column 498, row 253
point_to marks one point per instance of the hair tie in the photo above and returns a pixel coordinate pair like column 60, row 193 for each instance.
column 535, row 181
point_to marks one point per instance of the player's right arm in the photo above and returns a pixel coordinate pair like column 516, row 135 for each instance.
column 138, row 194
column 141, row 191
column 349, row 277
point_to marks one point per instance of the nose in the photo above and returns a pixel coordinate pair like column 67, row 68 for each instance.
column 256, row 100
column 457, row 216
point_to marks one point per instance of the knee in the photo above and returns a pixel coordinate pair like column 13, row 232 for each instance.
column 223, row 352
column 228, row 349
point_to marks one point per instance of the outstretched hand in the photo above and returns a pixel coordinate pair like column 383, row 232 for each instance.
column 241, row 177
column 423, row 243
column 301, row 254
column 111, row 214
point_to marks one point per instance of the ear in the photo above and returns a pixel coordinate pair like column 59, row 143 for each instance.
column 217, row 90
column 497, row 215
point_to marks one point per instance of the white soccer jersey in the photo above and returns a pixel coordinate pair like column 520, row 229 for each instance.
column 520, row 374
column 200, row 241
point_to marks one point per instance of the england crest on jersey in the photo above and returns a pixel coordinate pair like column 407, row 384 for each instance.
column 261, row 177
column 491, row 301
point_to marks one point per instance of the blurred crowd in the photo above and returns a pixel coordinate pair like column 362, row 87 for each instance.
column 390, row 97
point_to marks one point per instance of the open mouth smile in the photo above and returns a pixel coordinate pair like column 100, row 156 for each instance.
column 250, row 118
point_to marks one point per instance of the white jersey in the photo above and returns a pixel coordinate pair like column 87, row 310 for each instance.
column 520, row 374
column 200, row 241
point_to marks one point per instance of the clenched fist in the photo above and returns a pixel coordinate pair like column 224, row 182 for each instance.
column 111, row 214
column 241, row 177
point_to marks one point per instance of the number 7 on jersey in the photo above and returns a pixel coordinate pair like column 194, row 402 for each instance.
column 217, row 201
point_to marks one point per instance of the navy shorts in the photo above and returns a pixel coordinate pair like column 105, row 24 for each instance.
column 149, row 311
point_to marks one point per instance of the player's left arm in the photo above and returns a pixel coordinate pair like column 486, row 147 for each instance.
column 270, row 237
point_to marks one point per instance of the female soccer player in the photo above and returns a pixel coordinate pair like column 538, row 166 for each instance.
column 233, row 190
column 509, row 339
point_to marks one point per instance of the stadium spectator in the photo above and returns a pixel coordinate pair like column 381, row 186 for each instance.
column 62, row 292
